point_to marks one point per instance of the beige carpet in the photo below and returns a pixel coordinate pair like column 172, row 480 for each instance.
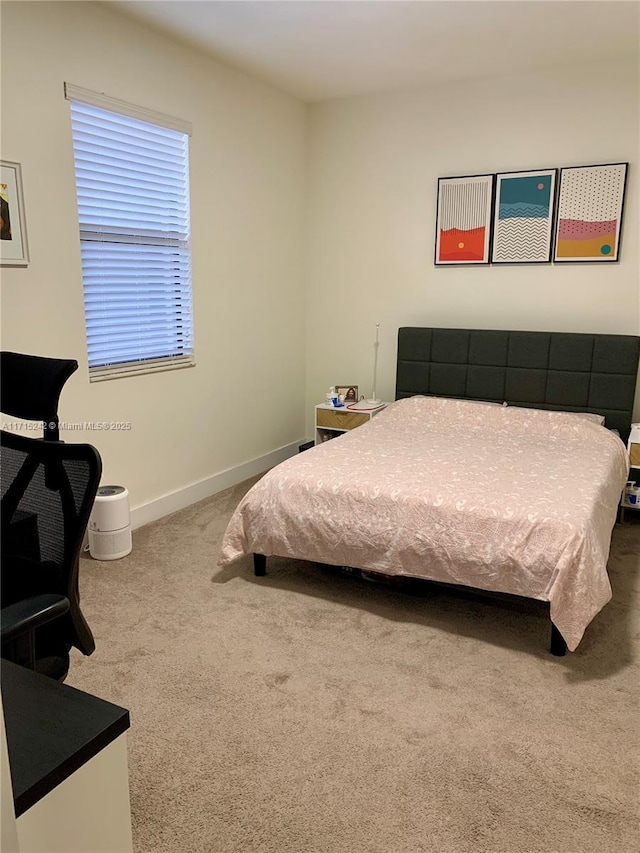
column 309, row 712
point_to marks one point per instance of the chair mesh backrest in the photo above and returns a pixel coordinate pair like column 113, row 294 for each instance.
column 49, row 487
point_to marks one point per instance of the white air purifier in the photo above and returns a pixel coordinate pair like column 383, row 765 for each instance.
column 110, row 524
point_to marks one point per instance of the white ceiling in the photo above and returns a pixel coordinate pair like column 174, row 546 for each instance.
column 336, row 48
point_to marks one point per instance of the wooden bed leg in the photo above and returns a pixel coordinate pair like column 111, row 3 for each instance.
column 558, row 646
column 259, row 565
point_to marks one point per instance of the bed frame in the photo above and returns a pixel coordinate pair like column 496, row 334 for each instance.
column 561, row 371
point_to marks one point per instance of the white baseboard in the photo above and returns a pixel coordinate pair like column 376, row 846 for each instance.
column 195, row 492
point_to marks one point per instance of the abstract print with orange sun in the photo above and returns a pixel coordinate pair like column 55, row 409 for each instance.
column 464, row 214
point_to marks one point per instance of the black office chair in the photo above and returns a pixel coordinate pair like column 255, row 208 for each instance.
column 30, row 387
column 48, row 489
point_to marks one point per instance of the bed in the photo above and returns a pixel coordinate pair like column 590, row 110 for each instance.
column 492, row 470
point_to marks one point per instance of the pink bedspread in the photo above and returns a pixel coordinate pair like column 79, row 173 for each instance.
column 497, row 498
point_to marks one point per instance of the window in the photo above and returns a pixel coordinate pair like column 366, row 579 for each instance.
column 132, row 182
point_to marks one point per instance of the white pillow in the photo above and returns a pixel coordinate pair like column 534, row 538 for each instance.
column 589, row 416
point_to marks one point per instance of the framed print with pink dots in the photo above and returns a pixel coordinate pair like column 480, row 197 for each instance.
column 523, row 217
column 590, row 209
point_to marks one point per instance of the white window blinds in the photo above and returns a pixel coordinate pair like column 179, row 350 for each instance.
column 132, row 180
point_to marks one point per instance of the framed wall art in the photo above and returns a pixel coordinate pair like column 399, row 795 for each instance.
column 463, row 220
column 590, row 208
column 523, row 217
column 13, row 231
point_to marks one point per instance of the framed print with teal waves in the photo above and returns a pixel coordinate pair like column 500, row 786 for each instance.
column 523, row 216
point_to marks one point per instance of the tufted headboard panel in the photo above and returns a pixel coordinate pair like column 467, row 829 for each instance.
column 542, row 370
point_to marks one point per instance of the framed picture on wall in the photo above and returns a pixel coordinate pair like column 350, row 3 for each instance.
column 523, row 217
column 590, row 209
column 463, row 220
column 13, row 231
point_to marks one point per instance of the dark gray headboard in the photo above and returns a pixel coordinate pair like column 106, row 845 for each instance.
column 540, row 370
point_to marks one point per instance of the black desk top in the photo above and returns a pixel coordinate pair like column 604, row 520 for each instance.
column 52, row 730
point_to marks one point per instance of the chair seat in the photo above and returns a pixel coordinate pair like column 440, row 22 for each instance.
column 23, row 577
column 53, row 666
column 24, row 631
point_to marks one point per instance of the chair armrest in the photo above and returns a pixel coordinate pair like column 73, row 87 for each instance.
column 28, row 614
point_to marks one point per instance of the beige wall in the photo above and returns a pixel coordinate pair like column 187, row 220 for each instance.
column 246, row 395
column 374, row 164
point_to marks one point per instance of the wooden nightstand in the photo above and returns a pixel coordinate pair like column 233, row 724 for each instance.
column 331, row 422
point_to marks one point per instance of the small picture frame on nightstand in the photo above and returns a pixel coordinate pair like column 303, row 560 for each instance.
column 349, row 392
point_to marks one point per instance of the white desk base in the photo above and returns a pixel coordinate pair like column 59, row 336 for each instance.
column 87, row 813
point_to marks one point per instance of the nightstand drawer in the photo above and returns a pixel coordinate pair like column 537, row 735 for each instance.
column 340, row 419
